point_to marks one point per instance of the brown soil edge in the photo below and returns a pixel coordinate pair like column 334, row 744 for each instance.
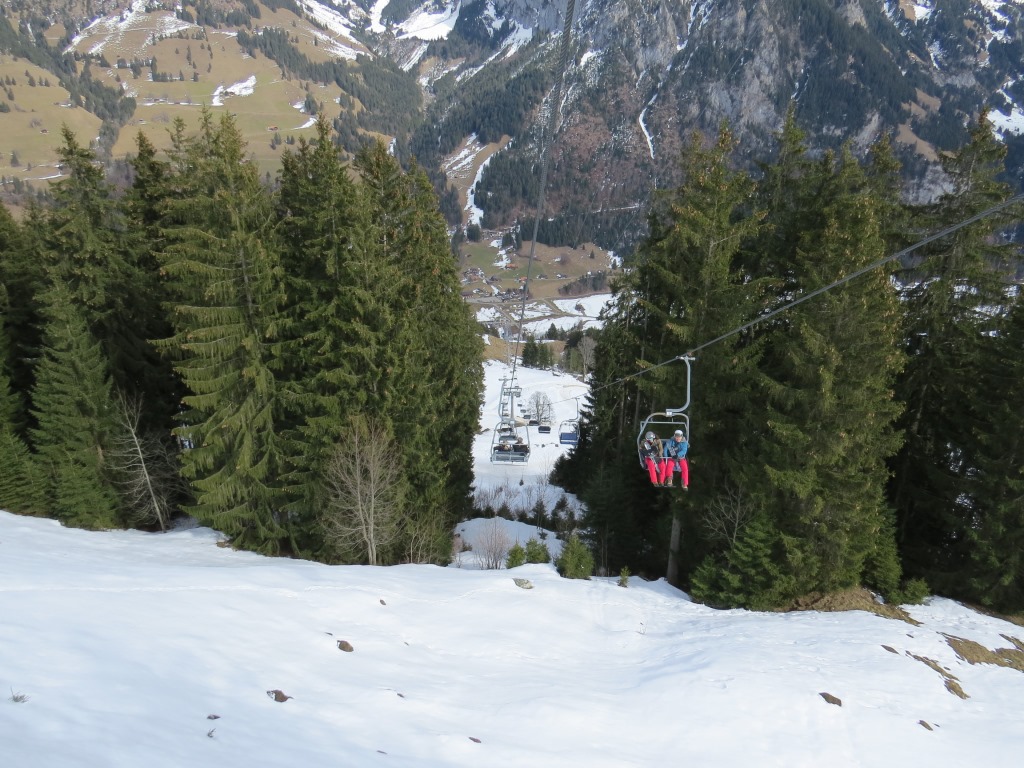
column 855, row 599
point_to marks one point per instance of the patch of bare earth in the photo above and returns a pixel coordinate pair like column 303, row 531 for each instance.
column 973, row 653
column 951, row 681
column 857, row 599
column 976, row 653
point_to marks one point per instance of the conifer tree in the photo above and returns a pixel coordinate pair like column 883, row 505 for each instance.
column 22, row 488
column 223, row 269
column 71, row 403
column 333, row 316
column 954, row 298
column 146, row 376
column 105, row 257
column 432, row 396
column 996, row 489
column 81, row 239
column 22, row 280
column 687, row 287
column 827, row 372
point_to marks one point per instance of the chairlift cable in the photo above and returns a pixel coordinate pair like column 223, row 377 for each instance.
column 548, row 140
column 818, row 291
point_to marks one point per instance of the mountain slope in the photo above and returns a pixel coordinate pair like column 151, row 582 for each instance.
column 126, row 649
column 642, row 75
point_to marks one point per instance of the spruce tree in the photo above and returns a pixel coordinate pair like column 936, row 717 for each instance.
column 687, row 287
column 82, row 244
column 22, row 487
column 145, row 375
column 71, row 403
column 328, row 315
column 996, row 487
column 223, row 269
column 827, row 373
column 22, row 281
column 954, row 294
column 432, row 394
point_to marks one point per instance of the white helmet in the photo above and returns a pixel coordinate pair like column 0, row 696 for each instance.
column 649, row 435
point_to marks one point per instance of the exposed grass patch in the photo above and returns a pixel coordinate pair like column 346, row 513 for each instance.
column 951, row 681
column 976, row 653
column 32, row 129
column 856, row 599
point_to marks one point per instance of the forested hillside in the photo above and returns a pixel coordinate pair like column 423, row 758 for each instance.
column 872, row 435
column 221, row 305
column 198, row 342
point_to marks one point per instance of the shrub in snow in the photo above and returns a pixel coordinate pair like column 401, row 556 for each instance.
column 624, row 577
column 575, row 562
column 539, row 513
column 516, row 556
column 537, row 552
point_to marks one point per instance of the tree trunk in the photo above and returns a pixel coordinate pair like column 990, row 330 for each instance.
column 672, row 571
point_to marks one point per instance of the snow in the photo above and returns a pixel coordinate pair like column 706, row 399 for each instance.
column 488, row 315
column 643, row 127
column 588, row 317
column 922, row 11
column 460, row 164
column 476, row 213
column 124, row 649
column 562, row 390
column 244, row 88
column 329, row 18
column 423, row 24
column 120, row 648
column 375, row 13
column 519, row 37
column 1011, row 123
column 592, row 305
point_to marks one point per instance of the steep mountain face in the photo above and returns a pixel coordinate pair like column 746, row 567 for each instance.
column 641, row 75
column 652, row 72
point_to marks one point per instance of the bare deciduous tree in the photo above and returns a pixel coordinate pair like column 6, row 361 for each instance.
column 726, row 516
column 144, row 467
column 363, row 506
column 493, row 546
column 540, row 406
column 427, row 536
column 588, row 351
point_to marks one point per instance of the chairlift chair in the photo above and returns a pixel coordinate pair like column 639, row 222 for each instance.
column 665, row 423
column 510, row 444
column 569, row 429
column 569, row 432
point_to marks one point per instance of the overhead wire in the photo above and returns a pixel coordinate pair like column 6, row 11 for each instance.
column 691, row 353
column 547, row 140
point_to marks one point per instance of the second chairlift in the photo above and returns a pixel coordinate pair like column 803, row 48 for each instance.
column 511, row 441
column 569, row 430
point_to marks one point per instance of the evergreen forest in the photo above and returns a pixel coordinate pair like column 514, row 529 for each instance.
column 872, row 435
column 200, row 342
column 292, row 365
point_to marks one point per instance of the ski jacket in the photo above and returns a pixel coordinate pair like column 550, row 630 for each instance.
column 676, row 450
column 651, row 448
